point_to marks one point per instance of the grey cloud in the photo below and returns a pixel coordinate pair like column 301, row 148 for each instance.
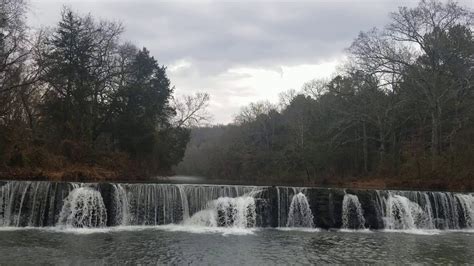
column 233, row 33
column 217, row 36
column 224, row 34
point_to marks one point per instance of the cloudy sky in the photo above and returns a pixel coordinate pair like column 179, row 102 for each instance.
column 237, row 51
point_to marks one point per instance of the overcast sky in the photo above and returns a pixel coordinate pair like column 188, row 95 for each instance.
column 237, row 51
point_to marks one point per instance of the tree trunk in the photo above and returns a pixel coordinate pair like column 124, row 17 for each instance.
column 382, row 147
column 365, row 147
column 434, row 139
column 29, row 113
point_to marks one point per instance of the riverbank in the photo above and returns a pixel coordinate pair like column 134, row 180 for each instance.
column 98, row 174
column 75, row 174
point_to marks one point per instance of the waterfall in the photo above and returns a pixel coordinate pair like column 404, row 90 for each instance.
column 39, row 204
column 184, row 202
column 31, row 203
column 226, row 212
column 352, row 213
column 198, row 196
column 278, row 207
column 402, row 213
column 466, row 203
column 426, row 210
column 300, row 214
column 121, row 206
column 284, row 199
column 446, row 211
column 153, row 204
column 83, row 207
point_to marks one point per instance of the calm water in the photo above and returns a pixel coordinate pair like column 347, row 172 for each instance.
column 180, row 245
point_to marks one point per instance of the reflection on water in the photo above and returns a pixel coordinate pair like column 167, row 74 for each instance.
column 179, row 244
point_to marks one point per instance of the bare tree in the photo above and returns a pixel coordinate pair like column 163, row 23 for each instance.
column 315, row 88
column 191, row 110
column 252, row 111
column 413, row 35
column 14, row 52
column 285, row 98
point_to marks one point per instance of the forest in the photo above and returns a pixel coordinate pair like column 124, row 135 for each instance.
column 399, row 113
column 79, row 103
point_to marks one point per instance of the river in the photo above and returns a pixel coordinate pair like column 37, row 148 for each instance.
column 180, row 245
column 70, row 223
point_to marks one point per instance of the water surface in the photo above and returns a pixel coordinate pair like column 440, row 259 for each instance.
column 185, row 245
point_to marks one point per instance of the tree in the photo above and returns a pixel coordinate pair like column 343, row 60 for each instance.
column 285, row 98
column 143, row 105
column 79, row 66
column 76, row 95
column 191, row 110
column 17, row 75
column 299, row 117
column 315, row 88
column 415, row 36
column 252, row 111
column 13, row 54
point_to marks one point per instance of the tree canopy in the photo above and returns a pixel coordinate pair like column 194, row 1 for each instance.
column 402, row 106
column 76, row 95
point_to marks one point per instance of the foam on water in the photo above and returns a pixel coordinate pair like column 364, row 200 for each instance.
column 225, row 231
column 207, row 230
column 14, row 228
column 299, row 229
column 416, row 231
column 365, row 230
column 169, row 227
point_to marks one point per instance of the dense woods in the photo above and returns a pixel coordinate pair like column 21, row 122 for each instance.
column 77, row 100
column 402, row 107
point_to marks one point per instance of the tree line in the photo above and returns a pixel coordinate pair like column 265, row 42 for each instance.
column 77, row 95
column 402, row 106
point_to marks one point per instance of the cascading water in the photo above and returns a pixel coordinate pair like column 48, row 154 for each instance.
column 83, row 207
column 352, row 213
column 446, row 211
column 38, row 204
column 31, row 203
column 300, row 214
column 426, row 210
column 284, row 196
column 121, row 206
column 198, row 197
column 226, row 212
column 401, row 213
column 155, row 204
column 184, row 202
column 466, row 203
